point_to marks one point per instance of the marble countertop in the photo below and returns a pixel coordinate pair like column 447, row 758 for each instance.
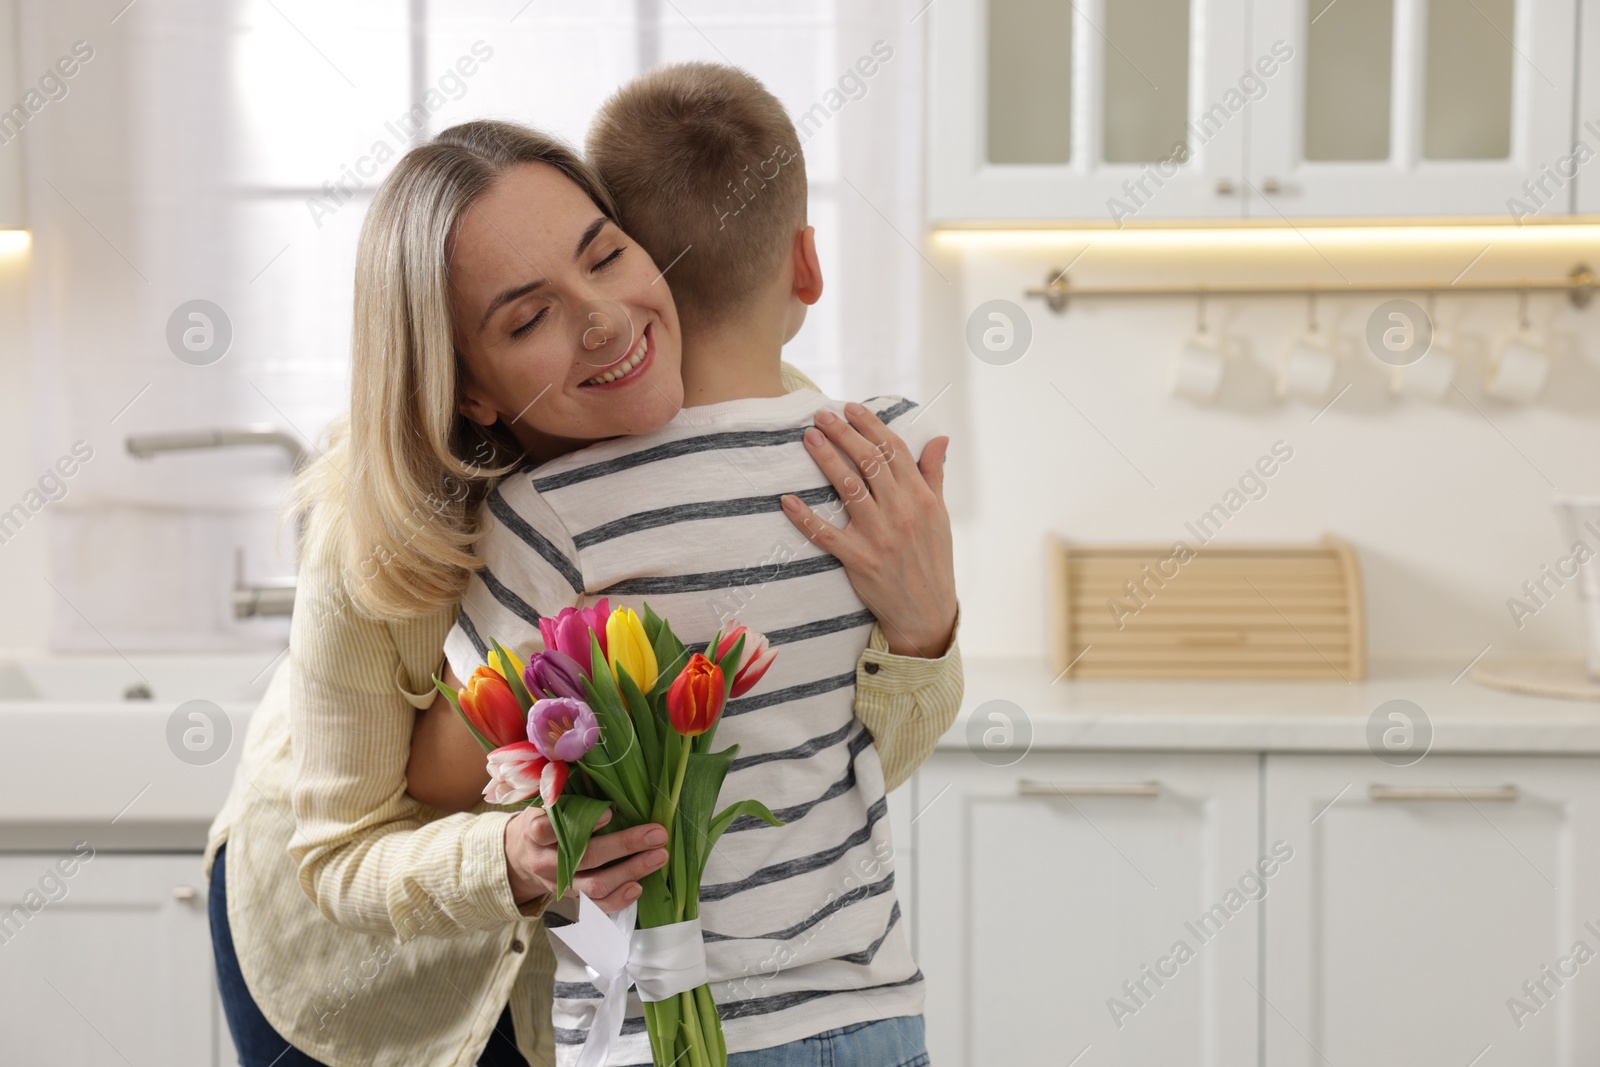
column 1262, row 716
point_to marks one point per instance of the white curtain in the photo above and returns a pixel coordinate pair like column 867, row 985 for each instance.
column 225, row 150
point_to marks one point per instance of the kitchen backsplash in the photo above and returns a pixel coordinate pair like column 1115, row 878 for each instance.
column 1448, row 504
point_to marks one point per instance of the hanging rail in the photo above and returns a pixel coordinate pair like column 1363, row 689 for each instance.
column 1579, row 285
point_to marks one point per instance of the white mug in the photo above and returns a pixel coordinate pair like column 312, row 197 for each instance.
column 1429, row 378
column 1197, row 371
column 1519, row 372
column 1309, row 371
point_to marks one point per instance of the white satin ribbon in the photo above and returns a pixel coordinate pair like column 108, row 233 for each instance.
column 661, row 962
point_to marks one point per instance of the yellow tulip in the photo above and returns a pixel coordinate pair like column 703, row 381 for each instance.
column 627, row 646
column 516, row 665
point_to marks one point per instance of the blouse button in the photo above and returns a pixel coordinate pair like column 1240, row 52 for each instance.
column 870, row 668
column 517, row 945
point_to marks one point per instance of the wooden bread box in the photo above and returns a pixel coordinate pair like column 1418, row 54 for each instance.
column 1237, row 611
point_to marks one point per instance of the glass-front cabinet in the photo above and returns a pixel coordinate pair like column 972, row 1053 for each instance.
column 1119, row 110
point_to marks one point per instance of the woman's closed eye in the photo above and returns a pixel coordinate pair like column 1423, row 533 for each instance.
column 530, row 324
column 609, row 260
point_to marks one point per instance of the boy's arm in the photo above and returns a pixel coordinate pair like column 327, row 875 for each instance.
column 907, row 702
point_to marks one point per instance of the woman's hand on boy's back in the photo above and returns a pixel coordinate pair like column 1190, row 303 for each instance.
column 897, row 547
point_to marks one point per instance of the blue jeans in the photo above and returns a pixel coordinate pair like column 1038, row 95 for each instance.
column 255, row 1040
column 896, row 1042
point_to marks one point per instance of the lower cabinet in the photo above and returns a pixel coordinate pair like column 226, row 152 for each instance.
column 105, row 961
column 1090, row 905
column 1434, row 913
column 1280, row 910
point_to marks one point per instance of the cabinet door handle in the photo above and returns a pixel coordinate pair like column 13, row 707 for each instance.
column 1028, row 788
column 185, row 894
column 1224, row 186
column 1401, row 792
column 1269, row 185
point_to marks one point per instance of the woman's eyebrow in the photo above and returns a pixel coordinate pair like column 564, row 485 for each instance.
column 505, row 298
column 590, row 234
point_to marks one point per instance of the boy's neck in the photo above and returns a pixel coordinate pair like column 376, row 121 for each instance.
column 733, row 361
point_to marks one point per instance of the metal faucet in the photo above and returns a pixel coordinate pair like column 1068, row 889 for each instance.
column 144, row 446
column 274, row 596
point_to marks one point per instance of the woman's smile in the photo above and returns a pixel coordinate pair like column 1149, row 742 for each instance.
column 628, row 368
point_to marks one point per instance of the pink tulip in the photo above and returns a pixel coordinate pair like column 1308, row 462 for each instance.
column 569, row 631
column 754, row 658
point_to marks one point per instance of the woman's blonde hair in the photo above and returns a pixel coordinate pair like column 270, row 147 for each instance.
column 404, row 471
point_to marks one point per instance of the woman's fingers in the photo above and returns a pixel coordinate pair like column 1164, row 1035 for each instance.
column 840, row 472
column 892, row 451
column 604, row 848
column 605, row 883
column 932, row 465
column 818, row 530
column 873, row 463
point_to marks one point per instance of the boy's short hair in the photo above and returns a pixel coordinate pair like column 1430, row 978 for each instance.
column 708, row 177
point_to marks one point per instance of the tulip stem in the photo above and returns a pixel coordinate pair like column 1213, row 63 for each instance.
column 677, row 782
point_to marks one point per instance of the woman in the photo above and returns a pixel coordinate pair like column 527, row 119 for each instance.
column 434, row 934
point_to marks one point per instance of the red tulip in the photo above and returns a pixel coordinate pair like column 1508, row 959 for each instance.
column 754, row 658
column 695, row 698
column 491, row 707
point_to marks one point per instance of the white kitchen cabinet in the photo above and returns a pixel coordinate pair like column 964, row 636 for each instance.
column 1412, row 107
column 1050, row 111
column 1406, row 922
column 1044, row 886
column 113, row 969
column 1043, row 110
column 1585, row 165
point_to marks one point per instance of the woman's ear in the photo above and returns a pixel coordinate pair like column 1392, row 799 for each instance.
column 807, row 268
column 473, row 405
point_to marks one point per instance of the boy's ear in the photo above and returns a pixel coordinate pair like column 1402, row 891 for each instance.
column 807, row 268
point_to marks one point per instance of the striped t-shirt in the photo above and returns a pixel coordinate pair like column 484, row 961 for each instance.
column 803, row 931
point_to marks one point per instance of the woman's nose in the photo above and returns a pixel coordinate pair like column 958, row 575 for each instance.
column 599, row 328
column 603, row 327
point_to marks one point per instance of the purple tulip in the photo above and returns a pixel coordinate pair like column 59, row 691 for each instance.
column 554, row 672
column 562, row 728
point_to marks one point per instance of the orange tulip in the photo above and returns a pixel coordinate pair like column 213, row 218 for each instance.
column 491, row 707
column 695, row 698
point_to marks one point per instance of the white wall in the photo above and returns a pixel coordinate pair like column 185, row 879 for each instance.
column 23, row 592
column 1448, row 514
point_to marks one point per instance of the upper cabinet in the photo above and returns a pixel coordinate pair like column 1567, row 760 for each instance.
column 1118, row 110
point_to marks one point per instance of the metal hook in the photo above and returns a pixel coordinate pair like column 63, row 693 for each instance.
column 1200, row 312
column 1522, row 310
column 1311, row 310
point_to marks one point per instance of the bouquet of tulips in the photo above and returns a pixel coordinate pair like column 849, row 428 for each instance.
column 616, row 713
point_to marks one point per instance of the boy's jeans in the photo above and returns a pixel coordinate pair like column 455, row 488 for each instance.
column 896, row 1042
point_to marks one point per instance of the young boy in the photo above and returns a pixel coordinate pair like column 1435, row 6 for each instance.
column 802, row 928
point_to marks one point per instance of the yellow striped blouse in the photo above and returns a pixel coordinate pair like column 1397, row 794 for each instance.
column 425, row 945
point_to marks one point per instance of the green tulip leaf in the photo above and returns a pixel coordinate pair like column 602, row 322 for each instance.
column 573, row 818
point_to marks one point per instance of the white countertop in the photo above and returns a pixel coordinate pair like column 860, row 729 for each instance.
column 1268, row 716
column 105, row 771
